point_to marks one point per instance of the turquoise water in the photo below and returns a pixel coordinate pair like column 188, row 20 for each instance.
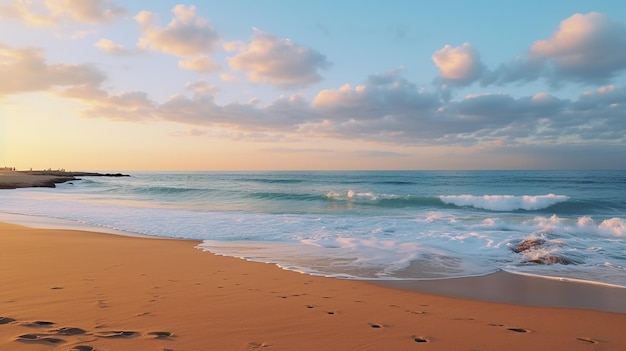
column 374, row 225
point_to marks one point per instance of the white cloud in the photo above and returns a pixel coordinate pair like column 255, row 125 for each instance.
column 187, row 35
column 201, row 87
column 25, row 70
column 55, row 12
column 459, row 65
column 108, row 46
column 587, row 47
column 200, row 64
column 126, row 106
column 278, row 61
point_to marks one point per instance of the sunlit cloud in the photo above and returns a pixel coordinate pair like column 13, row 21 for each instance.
column 201, row 86
column 384, row 108
column 459, row 65
column 192, row 132
column 587, row 48
column 126, row 106
column 186, row 35
column 108, row 46
column 56, row 12
column 200, row 64
column 26, row 70
column 278, row 61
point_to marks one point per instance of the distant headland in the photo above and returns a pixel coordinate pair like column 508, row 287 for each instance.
column 13, row 179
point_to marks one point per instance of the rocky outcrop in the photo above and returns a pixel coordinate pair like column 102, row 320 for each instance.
column 527, row 244
column 532, row 248
column 46, row 179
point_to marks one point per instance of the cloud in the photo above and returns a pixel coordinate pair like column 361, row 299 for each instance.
column 55, row 12
column 126, row 106
column 459, row 65
column 285, row 150
column 26, row 70
column 384, row 108
column 200, row 64
column 201, row 87
column 192, row 132
column 396, row 112
column 109, row 47
column 187, row 35
column 382, row 95
column 277, row 61
column 587, row 48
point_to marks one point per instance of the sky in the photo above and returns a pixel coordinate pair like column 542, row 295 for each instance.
column 317, row 85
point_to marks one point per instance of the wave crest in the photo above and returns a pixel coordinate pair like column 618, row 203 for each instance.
column 505, row 202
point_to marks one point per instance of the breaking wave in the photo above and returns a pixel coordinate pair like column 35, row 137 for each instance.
column 505, row 202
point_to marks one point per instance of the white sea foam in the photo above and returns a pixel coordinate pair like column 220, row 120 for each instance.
column 615, row 226
column 356, row 258
column 504, row 202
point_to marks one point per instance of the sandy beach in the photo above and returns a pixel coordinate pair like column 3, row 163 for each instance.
column 75, row 290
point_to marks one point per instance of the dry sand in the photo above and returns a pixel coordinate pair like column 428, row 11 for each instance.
column 73, row 290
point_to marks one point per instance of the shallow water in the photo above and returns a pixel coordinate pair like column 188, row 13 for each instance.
column 372, row 225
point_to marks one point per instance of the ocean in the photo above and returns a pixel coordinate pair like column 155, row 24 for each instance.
column 366, row 224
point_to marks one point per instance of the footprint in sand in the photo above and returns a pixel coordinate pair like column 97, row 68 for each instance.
column 69, row 331
column 116, row 334
column 257, row 345
column 39, row 339
column 587, row 340
column 420, row 339
column 518, row 330
column 161, row 334
column 38, row 324
column 82, row 348
column 415, row 312
column 6, row 320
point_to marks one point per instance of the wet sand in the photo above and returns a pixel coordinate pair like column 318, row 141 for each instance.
column 75, row 290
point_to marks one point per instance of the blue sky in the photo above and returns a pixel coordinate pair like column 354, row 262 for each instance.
column 312, row 85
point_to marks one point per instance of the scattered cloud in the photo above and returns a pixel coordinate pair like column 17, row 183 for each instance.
column 285, row 150
column 126, row 106
column 201, row 86
column 56, row 12
column 587, row 48
column 108, row 46
column 459, row 65
column 200, row 64
column 187, row 35
column 192, row 132
column 382, row 96
column 26, row 70
column 379, row 153
column 387, row 108
column 228, row 77
column 278, row 61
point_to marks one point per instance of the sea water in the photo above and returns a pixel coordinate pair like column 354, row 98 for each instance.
column 366, row 224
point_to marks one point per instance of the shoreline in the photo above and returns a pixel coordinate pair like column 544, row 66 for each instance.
column 520, row 289
column 498, row 287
